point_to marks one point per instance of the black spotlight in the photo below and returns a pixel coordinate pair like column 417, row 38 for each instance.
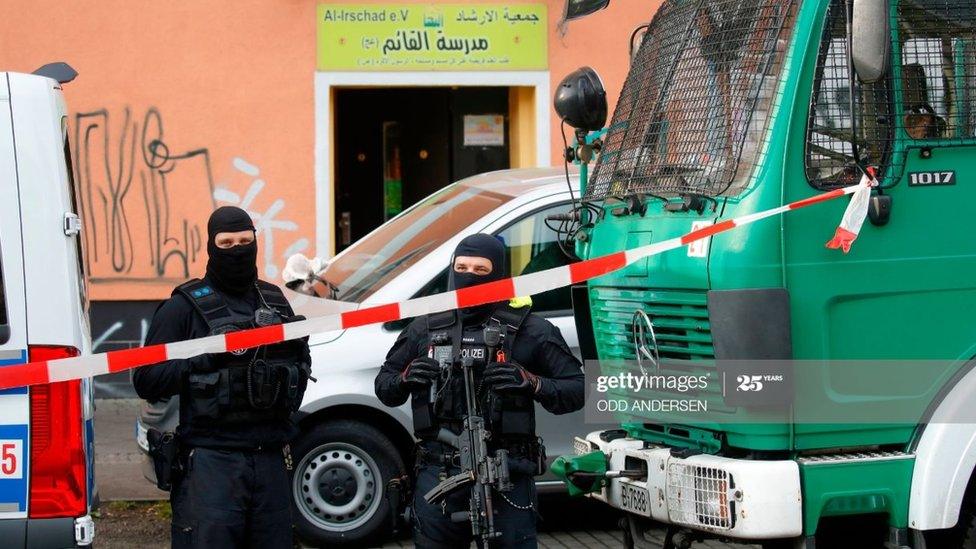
column 581, row 100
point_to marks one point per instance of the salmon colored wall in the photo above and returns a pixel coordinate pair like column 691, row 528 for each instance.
column 226, row 87
column 599, row 41
column 182, row 106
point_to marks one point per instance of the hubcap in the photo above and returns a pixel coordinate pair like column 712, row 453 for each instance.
column 337, row 486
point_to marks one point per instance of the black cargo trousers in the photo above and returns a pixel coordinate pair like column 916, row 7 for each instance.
column 232, row 498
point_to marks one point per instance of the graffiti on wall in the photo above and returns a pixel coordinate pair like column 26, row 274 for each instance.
column 139, row 199
column 144, row 203
column 117, row 325
column 267, row 220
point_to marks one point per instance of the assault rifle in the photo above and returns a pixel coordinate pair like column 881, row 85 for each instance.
column 479, row 470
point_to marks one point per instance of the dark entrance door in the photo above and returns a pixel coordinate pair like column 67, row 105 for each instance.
column 394, row 146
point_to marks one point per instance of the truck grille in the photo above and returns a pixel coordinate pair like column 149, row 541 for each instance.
column 682, row 330
column 680, row 321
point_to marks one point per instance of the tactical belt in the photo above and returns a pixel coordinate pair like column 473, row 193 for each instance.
column 437, row 453
column 529, row 449
column 259, row 449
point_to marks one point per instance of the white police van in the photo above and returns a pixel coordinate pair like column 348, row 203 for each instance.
column 46, row 432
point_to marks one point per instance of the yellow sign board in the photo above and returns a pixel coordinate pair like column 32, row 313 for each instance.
column 432, row 37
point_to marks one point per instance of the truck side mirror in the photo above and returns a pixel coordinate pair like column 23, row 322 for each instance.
column 870, row 39
column 581, row 8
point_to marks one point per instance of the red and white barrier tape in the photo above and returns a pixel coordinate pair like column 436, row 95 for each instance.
column 116, row 361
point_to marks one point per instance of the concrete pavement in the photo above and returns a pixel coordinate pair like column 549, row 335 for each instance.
column 118, row 473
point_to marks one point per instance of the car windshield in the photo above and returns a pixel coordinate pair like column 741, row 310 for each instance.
column 399, row 243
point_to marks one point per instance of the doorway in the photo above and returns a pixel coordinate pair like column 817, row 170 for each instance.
column 395, row 146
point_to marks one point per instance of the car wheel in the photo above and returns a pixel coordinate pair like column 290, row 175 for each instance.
column 339, row 483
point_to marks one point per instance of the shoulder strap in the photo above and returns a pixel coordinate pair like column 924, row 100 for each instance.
column 205, row 300
column 274, row 297
column 511, row 319
column 440, row 321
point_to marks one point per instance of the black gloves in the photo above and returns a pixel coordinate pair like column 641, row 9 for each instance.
column 420, row 373
column 509, row 377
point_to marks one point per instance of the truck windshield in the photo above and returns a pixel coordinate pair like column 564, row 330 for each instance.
column 693, row 111
column 389, row 250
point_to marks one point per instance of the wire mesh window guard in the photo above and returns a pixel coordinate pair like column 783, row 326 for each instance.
column 693, row 111
column 937, row 41
column 836, row 140
column 933, row 77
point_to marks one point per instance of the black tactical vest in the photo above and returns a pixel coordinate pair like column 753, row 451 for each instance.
column 442, row 405
column 257, row 384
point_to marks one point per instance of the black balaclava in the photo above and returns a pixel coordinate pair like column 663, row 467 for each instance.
column 235, row 269
column 478, row 245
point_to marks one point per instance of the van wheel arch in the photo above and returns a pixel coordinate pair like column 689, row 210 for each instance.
column 387, row 424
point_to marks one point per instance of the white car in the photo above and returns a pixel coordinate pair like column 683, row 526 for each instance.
column 351, row 445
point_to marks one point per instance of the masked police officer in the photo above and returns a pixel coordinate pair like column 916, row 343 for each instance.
column 230, row 487
column 534, row 365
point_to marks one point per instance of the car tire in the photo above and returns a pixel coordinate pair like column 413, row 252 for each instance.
column 338, row 484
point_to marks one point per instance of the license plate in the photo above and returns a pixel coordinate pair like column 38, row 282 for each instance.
column 634, row 499
column 581, row 446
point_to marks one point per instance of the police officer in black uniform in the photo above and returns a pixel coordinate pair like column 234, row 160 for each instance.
column 535, row 365
column 230, row 487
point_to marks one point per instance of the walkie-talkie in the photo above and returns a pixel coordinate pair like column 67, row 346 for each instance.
column 440, row 351
column 494, row 338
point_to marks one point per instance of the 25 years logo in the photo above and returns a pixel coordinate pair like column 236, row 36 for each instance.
column 755, row 383
column 749, row 383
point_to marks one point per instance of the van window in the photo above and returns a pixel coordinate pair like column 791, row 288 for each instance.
column 73, row 192
column 533, row 246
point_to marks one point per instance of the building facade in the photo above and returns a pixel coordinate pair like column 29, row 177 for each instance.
column 322, row 119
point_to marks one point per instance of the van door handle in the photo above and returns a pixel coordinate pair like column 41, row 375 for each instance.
column 72, row 224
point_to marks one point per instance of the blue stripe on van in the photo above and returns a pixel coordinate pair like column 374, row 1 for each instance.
column 11, row 362
column 14, row 490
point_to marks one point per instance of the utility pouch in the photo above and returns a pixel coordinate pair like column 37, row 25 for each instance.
column 263, row 385
column 511, row 415
column 203, row 395
column 164, row 451
column 399, row 492
column 541, row 465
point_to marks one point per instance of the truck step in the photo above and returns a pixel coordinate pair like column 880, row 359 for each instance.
column 847, row 457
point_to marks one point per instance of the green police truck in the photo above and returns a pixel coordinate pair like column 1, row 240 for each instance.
column 733, row 107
